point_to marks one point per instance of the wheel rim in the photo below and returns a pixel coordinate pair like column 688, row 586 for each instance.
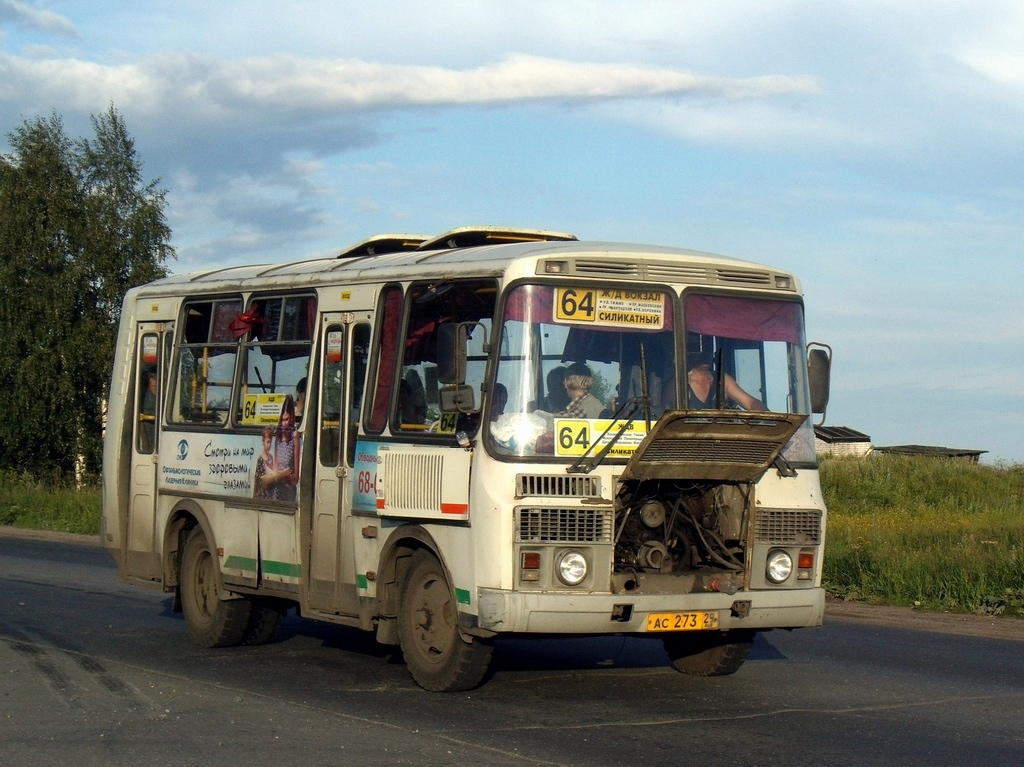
column 432, row 619
column 204, row 586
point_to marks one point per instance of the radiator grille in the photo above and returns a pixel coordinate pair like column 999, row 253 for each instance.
column 563, row 486
column 796, row 527
column 564, row 525
column 707, row 450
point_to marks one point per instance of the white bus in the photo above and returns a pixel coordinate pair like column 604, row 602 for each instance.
column 481, row 434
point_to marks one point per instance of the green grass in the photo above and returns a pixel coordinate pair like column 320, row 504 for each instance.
column 934, row 533
column 49, row 504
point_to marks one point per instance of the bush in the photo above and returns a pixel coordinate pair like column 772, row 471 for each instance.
column 49, row 503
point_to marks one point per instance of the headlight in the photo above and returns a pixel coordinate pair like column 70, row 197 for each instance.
column 780, row 566
column 572, row 568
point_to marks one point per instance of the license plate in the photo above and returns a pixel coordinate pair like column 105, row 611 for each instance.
column 699, row 620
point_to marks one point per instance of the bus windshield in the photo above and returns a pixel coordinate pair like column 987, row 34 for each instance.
column 575, row 362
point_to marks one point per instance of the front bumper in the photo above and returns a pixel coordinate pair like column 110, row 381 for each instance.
column 586, row 613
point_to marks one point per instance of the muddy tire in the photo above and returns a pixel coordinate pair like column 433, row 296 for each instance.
column 439, row 658
column 211, row 621
column 712, row 653
column 264, row 620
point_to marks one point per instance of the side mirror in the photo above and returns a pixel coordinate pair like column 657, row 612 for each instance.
column 451, row 354
column 819, row 371
column 456, row 399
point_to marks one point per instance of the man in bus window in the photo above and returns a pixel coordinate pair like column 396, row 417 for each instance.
column 702, row 387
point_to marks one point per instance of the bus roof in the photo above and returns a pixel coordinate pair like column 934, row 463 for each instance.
column 487, row 252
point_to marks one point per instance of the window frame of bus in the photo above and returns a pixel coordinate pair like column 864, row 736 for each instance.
column 141, row 416
column 228, row 344
column 444, row 289
column 247, row 345
column 350, row 367
column 384, row 345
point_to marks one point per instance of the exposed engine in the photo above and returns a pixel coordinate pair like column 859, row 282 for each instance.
column 667, row 527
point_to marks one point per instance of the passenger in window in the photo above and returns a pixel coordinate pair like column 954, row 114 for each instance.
column 557, row 398
column 702, row 387
column 412, row 399
column 498, row 401
column 148, row 408
column 300, row 399
column 582, row 404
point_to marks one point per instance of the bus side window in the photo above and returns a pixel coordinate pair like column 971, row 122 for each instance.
column 431, row 306
column 276, row 352
column 360, row 357
column 385, row 353
column 206, row 361
column 147, row 389
column 332, row 396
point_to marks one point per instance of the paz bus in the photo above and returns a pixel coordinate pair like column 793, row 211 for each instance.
column 488, row 433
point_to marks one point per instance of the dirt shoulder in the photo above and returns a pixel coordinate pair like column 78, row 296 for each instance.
column 965, row 624
column 994, row 627
column 49, row 535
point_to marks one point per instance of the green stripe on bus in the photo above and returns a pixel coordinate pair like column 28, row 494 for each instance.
column 270, row 567
column 462, row 596
column 241, row 563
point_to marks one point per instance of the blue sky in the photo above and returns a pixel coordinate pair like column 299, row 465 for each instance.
column 874, row 148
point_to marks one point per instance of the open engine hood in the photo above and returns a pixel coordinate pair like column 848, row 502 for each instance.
column 712, row 445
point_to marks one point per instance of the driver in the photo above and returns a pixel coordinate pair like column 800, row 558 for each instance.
column 701, row 385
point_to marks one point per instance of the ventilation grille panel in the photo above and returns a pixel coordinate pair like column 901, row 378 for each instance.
column 788, row 527
column 563, row 525
column 678, row 271
column 668, row 449
column 561, row 486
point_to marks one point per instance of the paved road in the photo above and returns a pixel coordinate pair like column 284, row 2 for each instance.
column 95, row 672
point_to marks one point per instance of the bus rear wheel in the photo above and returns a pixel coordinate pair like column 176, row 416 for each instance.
column 264, row 620
column 709, row 653
column 211, row 621
column 439, row 658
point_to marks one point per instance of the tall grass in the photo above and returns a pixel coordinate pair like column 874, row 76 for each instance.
column 935, row 533
column 49, row 504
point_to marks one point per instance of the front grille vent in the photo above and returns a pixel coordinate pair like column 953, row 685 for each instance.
column 788, row 527
column 564, row 525
column 679, row 271
column 561, row 486
column 670, row 449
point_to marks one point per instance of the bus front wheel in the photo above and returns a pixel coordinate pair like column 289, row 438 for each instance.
column 211, row 621
column 709, row 653
column 439, row 658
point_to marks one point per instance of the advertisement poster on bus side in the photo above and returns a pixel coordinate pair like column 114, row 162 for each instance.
column 236, row 465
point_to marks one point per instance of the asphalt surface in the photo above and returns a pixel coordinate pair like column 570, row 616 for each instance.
column 97, row 672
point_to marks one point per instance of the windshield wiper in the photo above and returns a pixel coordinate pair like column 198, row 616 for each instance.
column 583, row 464
column 586, row 463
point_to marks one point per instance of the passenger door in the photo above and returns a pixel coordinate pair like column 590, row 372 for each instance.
column 153, row 342
column 344, row 353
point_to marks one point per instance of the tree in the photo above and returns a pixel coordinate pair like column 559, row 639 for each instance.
column 78, row 227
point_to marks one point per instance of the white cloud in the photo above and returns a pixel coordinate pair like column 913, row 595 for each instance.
column 209, row 89
column 1005, row 67
column 28, row 17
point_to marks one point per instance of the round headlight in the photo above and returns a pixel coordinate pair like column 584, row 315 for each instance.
column 780, row 566
column 572, row 568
